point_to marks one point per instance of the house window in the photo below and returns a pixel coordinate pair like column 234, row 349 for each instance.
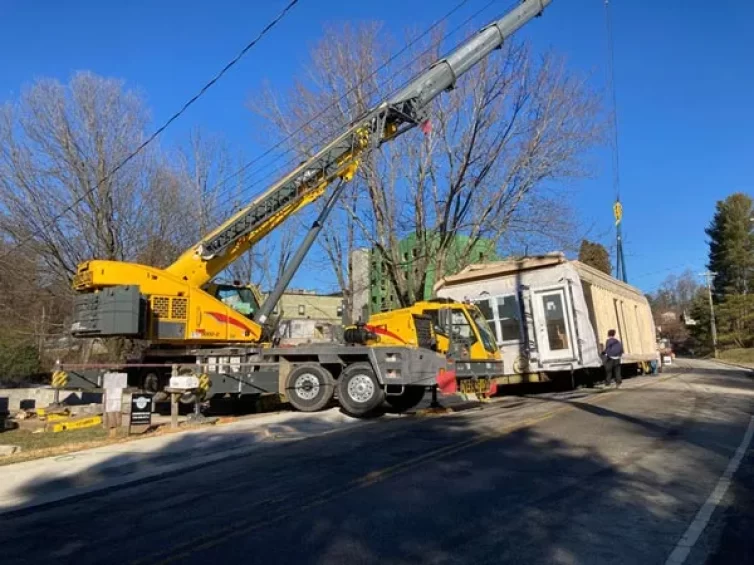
column 461, row 327
column 509, row 316
column 488, row 312
column 301, row 309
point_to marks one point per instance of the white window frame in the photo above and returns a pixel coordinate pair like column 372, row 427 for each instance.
column 495, row 321
column 496, row 317
column 520, row 337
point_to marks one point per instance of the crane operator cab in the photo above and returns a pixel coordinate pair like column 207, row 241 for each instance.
column 242, row 298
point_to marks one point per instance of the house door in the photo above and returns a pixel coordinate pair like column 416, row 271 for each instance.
column 553, row 320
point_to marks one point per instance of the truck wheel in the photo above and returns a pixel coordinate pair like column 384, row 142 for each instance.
column 309, row 387
column 188, row 398
column 411, row 396
column 359, row 391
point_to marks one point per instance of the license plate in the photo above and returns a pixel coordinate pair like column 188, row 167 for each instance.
column 475, row 386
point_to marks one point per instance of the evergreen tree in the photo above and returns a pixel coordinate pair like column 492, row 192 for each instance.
column 735, row 321
column 595, row 255
column 731, row 245
column 701, row 336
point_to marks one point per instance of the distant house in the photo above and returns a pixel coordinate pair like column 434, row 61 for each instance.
column 688, row 320
column 297, row 304
column 309, row 317
column 668, row 317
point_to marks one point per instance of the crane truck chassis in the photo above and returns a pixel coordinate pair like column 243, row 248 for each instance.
column 395, row 357
column 307, row 377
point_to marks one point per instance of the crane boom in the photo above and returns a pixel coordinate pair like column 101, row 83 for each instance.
column 309, row 181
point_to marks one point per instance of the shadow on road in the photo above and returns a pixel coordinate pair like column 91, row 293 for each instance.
column 724, row 371
column 403, row 490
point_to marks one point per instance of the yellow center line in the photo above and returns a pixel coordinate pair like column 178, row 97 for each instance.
column 208, row 541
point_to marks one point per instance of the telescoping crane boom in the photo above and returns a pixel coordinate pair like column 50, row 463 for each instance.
column 180, row 307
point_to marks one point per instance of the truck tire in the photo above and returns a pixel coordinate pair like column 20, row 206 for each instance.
column 188, row 398
column 359, row 391
column 310, row 387
column 411, row 396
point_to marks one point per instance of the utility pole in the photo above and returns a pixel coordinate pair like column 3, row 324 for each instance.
column 709, row 276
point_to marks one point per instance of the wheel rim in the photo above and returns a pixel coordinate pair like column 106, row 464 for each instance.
column 360, row 388
column 307, row 386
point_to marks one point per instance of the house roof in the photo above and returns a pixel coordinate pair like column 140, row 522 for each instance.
column 516, row 265
column 499, row 268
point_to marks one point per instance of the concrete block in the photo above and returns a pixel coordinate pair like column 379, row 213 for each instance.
column 86, row 409
column 6, row 450
column 15, row 399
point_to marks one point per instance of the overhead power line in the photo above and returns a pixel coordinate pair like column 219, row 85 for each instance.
column 246, row 166
column 290, row 155
column 244, row 171
column 164, row 126
column 246, row 185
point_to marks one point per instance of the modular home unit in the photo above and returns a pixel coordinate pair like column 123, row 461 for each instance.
column 551, row 315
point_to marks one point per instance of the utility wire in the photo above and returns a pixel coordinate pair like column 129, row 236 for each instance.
column 297, row 157
column 321, row 113
column 319, row 138
column 164, row 126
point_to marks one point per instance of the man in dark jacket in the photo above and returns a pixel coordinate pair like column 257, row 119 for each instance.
column 613, row 352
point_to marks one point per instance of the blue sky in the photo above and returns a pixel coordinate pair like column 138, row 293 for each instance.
column 684, row 80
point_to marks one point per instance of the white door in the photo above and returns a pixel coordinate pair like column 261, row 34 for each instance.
column 553, row 320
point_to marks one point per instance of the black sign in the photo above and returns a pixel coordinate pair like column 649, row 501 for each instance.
column 141, row 409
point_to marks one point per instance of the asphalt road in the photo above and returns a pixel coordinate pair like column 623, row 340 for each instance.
column 572, row 478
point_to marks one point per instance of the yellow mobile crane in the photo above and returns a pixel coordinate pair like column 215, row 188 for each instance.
column 180, row 313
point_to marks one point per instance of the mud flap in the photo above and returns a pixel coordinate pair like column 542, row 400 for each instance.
column 446, row 381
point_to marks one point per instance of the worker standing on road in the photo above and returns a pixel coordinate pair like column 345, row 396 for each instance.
column 613, row 352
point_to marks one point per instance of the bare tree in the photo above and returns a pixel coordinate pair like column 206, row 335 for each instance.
column 190, row 197
column 205, row 164
column 58, row 145
column 62, row 203
column 513, row 125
